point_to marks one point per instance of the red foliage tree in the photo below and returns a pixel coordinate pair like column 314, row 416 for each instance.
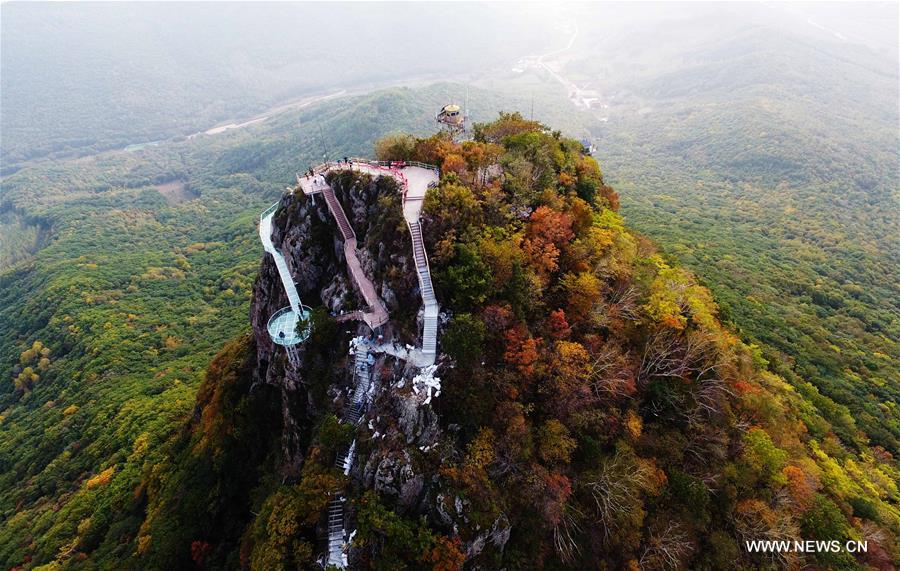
column 199, row 551
column 557, row 325
column 497, row 317
column 546, row 235
column 521, row 350
column 446, row 555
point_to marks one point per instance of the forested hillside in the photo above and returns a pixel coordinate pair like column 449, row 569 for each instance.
column 122, row 274
column 784, row 203
column 594, row 413
column 642, row 367
column 758, row 147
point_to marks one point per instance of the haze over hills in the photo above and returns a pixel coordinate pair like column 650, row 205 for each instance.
column 757, row 145
column 777, row 180
column 86, row 78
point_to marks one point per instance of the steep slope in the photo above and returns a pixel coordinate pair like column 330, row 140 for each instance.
column 593, row 411
column 78, row 492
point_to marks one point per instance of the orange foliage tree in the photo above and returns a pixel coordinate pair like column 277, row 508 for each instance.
column 546, row 235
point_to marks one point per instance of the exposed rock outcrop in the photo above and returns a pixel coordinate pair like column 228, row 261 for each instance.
column 400, row 435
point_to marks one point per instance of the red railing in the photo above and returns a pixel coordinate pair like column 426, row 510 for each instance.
column 392, row 168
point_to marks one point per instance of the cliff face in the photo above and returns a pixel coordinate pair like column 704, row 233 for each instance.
column 374, row 209
column 304, row 232
column 310, row 256
column 402, row 450
column 401, row 443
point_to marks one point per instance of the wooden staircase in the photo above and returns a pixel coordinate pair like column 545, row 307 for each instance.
column 377, row 315
column 338, row 212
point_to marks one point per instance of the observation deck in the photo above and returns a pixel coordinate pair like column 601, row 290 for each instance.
column 288, row 327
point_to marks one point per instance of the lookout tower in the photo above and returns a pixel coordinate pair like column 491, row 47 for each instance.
column 452, row 118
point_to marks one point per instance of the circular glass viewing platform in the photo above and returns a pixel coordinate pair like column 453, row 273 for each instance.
column 287, row 327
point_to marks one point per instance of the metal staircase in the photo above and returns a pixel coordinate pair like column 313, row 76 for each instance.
column 352, row 413
column 429, row 326
column 355, row 407
column 336, row 532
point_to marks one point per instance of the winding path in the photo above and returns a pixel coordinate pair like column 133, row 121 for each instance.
column 415, row 179
column 283, row 324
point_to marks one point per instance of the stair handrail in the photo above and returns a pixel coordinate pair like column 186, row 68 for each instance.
column 424, row 249
column 343, row 214
column 423, row 165
column 269, row 210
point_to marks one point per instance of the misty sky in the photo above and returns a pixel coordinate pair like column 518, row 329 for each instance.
column 102, row 74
